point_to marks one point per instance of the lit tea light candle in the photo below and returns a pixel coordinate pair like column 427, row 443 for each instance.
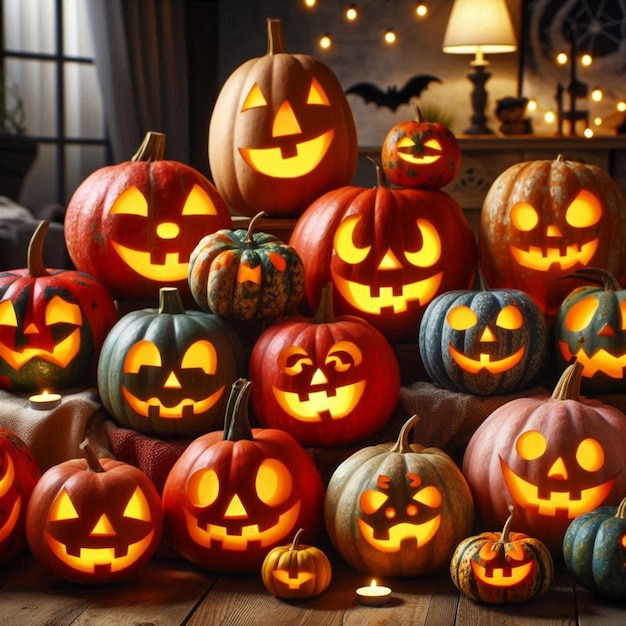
column 374, row 595
column 45, row 401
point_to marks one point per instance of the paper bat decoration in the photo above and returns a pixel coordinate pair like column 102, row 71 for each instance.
column 392, row 98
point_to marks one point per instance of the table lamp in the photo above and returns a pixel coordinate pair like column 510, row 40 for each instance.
column 479, row 27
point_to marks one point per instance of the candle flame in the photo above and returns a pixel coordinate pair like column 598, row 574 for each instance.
column 373, row 583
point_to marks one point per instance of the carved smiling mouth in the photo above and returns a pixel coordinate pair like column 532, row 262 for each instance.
column 153, row 407
column 558, row 503
column 601, row 361
column 493, row 367
column 399, row 533
column 338, row 405
column 279, row 164
column 502, row 576
column 170, row 270
column 62, row 353
column 247, row 534
column 566, row 257
column 398, row 298
column 6, row 483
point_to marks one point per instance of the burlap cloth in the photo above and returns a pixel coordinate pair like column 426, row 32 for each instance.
column 53, row 436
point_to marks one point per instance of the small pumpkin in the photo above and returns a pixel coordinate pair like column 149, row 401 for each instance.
column 296, row 571
column 134, row 224
column 235, row 494
column 398, row 509
column 420, row 154
column 19, row 473
column 555, row 457
column 388, row 252
column 167, row 371
column 542, row 220
column 502, row 568
column 591, row 328
column 483, row 342
column 326, row 380
column 245, row 275
column 52, row 323
column 594, row 550
column 92, row 520
column 281, row 132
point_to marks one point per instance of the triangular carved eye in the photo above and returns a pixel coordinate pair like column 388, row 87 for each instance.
column 61, row 311
column 63, row 508
column 198, row 203
column 254, row 99
column 138, row 507
column 317, row 95
column 130, row 202
column 8, row 316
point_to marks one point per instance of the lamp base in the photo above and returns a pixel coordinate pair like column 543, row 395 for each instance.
column 478, row 77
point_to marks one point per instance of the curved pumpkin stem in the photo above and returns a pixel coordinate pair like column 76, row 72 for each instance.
column 275, row 40
column 295, row 544
column 595, row 275
column 93, row 462
column 402, row 445
column 504, row 535
column 170, row 301
column 236, row 420
column 324, row 314
column 381, row 181
column 417, row 111
column 621, row 509
column 152, row 148
column 252, row 226
column 34, row 256
column 568, row 386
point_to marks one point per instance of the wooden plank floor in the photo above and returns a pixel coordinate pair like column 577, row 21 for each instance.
column 174, row 593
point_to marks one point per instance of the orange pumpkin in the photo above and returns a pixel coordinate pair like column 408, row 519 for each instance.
column 281, row 133
column 542, row 220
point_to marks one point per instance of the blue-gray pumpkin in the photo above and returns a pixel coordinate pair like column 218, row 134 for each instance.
column 483, row 342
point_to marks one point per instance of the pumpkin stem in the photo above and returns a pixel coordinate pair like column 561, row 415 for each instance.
column 295, row 544
column 595, row 275
column 324, row 313
column 568, row 386
column 402, row 445
column 236, row 420
column 621, row 509
column 504, row 535
column 170, row 301
column 252, row 226
column 380, row 175
column 419, row 116
column 559, row 158
column 34, row 256
column 152, row 148
column 275, row 40
column 93, row 463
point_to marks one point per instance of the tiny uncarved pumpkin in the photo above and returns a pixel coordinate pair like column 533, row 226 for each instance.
column 296, row 571
column 398, row 509
column 244, row 275
column 502, row 568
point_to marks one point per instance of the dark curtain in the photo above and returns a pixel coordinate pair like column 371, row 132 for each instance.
column 141, row 60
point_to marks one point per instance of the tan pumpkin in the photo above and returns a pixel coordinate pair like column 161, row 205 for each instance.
column 281, row 133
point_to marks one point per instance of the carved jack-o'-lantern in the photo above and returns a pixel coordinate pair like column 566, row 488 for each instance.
column 398, row 509
column 506, row 567
column 235, row 494
column 326, row 380
column 420, row 154
column 19, row 474
column 134, row 225
column 167, row 371
column 52, row 323
column 554, row 457
column 483, row 342
column 94, row 521
column 281, row 133
column 388, row 252
column 542, row 220
column 591, row 327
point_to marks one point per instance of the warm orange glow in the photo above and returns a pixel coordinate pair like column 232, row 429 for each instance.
column 351, row 13
column 399, row 533
column 325, row 42
column 273, row 483
column 390, row 36
column 601, row 361
column 7, row 482
column 590, row 455
column 254, row 99
column 497, row 366
column 203, row 487
column 285, row 122
column 581, row 314
column 461, row 318
column 130, row 202
column 408, row 151
column 530, row 445
column 292, row 579
column 509, row 576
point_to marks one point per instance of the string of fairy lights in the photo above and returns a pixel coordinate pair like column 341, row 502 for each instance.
column 352, row 13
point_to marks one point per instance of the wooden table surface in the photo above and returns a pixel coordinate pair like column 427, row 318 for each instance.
column 172, row 592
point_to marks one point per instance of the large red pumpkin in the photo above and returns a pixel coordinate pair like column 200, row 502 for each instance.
column 52, row 324
column 281, row 133
column 326, row 380
column 134, row 225
column 233, row 495
column 543, row 220
column 388, row 252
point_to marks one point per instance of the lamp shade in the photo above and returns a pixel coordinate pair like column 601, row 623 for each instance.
column 479, row 26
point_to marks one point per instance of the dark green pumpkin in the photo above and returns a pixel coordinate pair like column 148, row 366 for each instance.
column 167, row 371
column 591, row 327
column 245, row 275
column 594, row 550
column 483, row 342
